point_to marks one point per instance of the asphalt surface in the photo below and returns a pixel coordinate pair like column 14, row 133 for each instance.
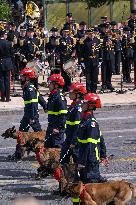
column 119, row 129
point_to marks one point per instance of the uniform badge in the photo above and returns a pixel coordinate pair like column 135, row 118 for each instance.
column 93, row 124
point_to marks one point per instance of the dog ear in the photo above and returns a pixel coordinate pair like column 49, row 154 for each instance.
column 78, row 187
column 13, row 129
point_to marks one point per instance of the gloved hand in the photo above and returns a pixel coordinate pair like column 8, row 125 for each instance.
column 72, row 146
column 81, row 166
column 32, row 121
column 105, row 161
column 55, row 131
column 83, row 65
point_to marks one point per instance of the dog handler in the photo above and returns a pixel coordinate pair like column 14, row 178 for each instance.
column 31, row 99
column 91, row 144
column 69, row 148
column 57, row 110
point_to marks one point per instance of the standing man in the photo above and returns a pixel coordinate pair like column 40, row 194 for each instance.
column 108, row 62
column 91, row 53
column 127, row 54
column 67, row 51
column 6, row 54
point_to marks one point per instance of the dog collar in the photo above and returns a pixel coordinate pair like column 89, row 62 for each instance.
column 20, row 138
column 83, row 192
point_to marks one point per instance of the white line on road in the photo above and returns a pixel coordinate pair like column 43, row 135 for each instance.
column 115, row 118
column 3, row 148
column 120, row 131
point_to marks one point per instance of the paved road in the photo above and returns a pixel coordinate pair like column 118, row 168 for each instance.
column 119, row 129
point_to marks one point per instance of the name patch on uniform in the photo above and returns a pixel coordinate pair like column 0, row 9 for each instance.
column 93, row 124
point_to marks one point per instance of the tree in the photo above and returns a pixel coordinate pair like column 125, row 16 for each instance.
column 5, row 10
column 98, row 3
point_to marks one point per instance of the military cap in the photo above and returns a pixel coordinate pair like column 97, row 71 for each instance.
column 66, row 28
column 105, row 25
column 90, row 30
column 113, row 23
column 54, row 29
column 126, row 28
column 22, row 28
column 96, row 28
column 69, row 14
column 2, row 32
column 82, row 23
column 30, row 29
column 12, row 24
column 133, row 11
column 104, row 18
column 106, row 38
column 3, row 21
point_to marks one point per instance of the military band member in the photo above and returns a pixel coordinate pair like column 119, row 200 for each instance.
column 132, row 20
column 6, row 53
column 127, row 54
column 91, row 54
column 66, row 51
column 108, row 60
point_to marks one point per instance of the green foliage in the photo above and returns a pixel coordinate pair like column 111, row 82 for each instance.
column 5, row 10
column 98, row 3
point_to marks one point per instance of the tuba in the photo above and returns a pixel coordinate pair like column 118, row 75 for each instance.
column 32, row 10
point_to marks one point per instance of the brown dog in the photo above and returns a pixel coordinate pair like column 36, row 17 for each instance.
column 103, row 193
column 23, row 138
column 45, row 157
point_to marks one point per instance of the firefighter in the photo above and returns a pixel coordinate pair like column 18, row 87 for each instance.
column 90, row 141
column 77, row 91
column 31, row 99
column 91, row 146
column 57, row 110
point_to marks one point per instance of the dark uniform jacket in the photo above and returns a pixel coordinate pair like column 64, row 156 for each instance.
column 127, row 51
column 90, row 140
column 66, row 48
column 57, row 110
column 31, row 45
column 91, row 51
column 31, row 99
column 6, row 54
column 72, row 123
column 108, row 52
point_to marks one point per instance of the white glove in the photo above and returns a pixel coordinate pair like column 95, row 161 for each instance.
column 83, row 65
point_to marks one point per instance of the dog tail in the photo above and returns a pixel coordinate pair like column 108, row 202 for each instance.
column 133, row 189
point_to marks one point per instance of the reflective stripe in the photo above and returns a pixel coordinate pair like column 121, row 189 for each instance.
column 94, row 119
column 97, row 153
column 94, row 141
column 57, row 113
column 35, row 100
column 75, row 200
column 72, row 123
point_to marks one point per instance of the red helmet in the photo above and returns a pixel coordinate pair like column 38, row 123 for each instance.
column 78, row 88
column 57, row 78
column 29, row 72
column 93, row 100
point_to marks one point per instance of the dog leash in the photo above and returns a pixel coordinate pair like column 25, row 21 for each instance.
column 64, row 155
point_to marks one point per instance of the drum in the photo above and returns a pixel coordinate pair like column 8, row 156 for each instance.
column 36, row 65
column 71, row 68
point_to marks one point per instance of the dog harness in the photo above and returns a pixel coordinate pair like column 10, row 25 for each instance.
column 20, row 139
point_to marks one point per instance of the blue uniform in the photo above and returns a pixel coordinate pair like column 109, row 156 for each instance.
column 57, row 110
column 31, row 99
column 91, row 148
column 72, row 125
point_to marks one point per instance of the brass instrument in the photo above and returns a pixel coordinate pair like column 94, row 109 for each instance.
column 32, row 10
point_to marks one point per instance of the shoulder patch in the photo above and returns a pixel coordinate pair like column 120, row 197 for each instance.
column 93, row 124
